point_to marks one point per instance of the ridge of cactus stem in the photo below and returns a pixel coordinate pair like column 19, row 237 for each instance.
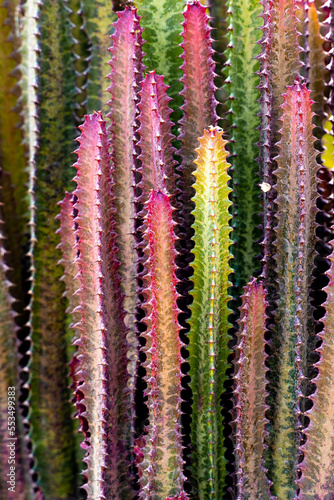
column 103, row 397
column 250, row 396
column 209, row 324
column 157, row 166
column 98, row 20
column 27, row 104
column 317, row 467
column 68, row 247
column 126, row 72
column 295, row 252
column 243, row 109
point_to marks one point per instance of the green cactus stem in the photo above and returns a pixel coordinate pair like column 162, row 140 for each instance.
column 161, row 20
column 295, row 252
column 98, row 18
column 243, row 109
column 49, row 398
column 81, row 51
column 209, row 325
column 12, row 151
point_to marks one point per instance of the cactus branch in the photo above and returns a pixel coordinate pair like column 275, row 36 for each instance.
column 209, row 325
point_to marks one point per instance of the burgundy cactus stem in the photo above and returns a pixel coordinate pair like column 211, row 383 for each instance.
column 125, row 75
column 103, row 397
column 157, row 165
column 159, row 453
column 251, row 395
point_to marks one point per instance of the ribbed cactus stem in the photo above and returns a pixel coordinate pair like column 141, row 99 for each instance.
column 157, row 166
column 243, row 110
column 125, row 75
column 68, row 247
column 295, row 252
column 104, row 401
column 159, row 451
column 280, row 37
column 209, row 325
column 251, row 395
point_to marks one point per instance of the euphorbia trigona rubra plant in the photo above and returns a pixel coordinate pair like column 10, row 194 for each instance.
column 176, row 297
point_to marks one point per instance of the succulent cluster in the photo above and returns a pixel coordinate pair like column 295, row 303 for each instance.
column 166, row 312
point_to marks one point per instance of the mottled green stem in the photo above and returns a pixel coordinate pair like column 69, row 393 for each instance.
column 161, row 20
column 98, row 18
column 244, row 107
column 52, row 427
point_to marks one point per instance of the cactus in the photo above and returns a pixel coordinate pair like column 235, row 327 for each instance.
column 277, row 72
column 209, row 323
column 159, row 449
column 102, row 394
column 161, row 21
column 199, row 106
column 295, row 253
column 98, row 20
column 124, row 83
column 250, row 393
column 243, row 108
column 159, row 454
column 49, row 398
